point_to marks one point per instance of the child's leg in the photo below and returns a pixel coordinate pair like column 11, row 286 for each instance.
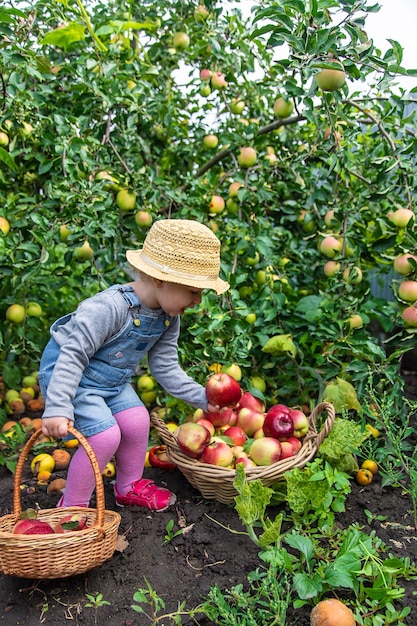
column 131, row 453
column 131, row 489
column 80, row 479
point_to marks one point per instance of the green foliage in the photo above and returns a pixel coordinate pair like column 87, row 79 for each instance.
column 98, row 87
column 344, row 439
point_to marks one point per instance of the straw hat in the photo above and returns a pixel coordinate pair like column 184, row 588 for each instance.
column 184, row 252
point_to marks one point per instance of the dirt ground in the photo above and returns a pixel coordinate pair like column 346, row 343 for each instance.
column 184, row 568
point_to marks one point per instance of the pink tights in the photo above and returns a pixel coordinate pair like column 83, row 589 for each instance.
column 127, row 440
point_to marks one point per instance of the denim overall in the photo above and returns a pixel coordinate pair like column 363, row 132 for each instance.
column 105, row 386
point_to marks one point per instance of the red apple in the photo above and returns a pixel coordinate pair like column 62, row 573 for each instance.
column 278, row 422
column 287, row 450
column 408, row 290
column 300, row 422
column 246, row 462
column 217, row 453
column 205, row 74
column 32, row 527
column 296, row 443
column 71, row 522
column 250, row 401
column 192, row 438
column 265, row 451
column 236, row 434
column 409, row 316
column 223, row 390
column 249, row 420
column 402, row 263
column 219, row 418
column 218, row 80
column 207, row 424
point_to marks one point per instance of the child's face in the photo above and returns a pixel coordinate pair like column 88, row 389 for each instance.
column 174, row 299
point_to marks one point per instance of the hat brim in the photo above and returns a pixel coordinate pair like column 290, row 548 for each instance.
column 136, row 260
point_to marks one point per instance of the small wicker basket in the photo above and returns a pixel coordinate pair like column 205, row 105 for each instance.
column 216, row 483
column 62, row 554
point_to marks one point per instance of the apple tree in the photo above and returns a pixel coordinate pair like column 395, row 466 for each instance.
column 281, row 127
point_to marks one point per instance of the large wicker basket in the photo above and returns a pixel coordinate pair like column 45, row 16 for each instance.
column 216, row 482
column 64, row 554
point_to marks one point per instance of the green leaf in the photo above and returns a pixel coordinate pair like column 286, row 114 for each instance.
column 307, row 586
column 64, row 37
column 7, row 159
column 279, row 344
column 342, row 395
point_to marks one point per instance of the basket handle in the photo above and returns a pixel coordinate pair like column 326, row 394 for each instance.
column 163, row 431
column 327, row 426
column 17, row 507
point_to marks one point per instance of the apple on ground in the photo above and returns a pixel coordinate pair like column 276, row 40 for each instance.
column 110, row 470
column 250, row 420
column 249, row 401
column 192, row 438
column 219, row 418
column 278, row 422
column 300, row 422
column 265, row 451
column 236, row 434
column 217, row 453
column 223, row 390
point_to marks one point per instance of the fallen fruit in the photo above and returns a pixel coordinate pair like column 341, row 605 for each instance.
column 158, row 457
column 61, row 458
column 370, row 465
column 42, row 462
column 331, row 612
column 364, row 477
column 56, row 486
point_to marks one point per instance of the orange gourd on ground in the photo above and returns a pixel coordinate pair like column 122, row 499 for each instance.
column 331, row 612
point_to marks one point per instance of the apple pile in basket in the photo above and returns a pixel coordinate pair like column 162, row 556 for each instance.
column 241, row 431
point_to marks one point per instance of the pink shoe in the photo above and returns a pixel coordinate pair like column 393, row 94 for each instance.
column 145, row 493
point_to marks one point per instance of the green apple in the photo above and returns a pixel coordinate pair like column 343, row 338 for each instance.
column 401, row 217
column 233, row 369
column 205, row 90
column 181, row 41
column 237, row 105
column 201, row 13
column 210, row 141
column 407, row 291
column 251, row 318
column 126, row 200
column 84, row 252
column 4, row 139
column 64, row 232
column 258, row 383
column 33, row 309
column 352, row 275
column 355, row 321
column 16, row 313
column 234, row 189
column 283, row 107
column 145, row 383
column 331, row 80
column 331, row 268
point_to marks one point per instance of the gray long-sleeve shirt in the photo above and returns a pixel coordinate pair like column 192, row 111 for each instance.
column 99, row 321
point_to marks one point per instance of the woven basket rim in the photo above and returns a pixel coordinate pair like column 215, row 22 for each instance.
column 202, row 474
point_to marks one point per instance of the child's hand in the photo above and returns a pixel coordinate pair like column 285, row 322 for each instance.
column 56, row 427
column 212, row 408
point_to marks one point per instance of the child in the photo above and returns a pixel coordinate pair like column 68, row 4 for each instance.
column 86, row 368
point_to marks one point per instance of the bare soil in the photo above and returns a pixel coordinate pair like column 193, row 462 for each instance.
column 186, row 567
